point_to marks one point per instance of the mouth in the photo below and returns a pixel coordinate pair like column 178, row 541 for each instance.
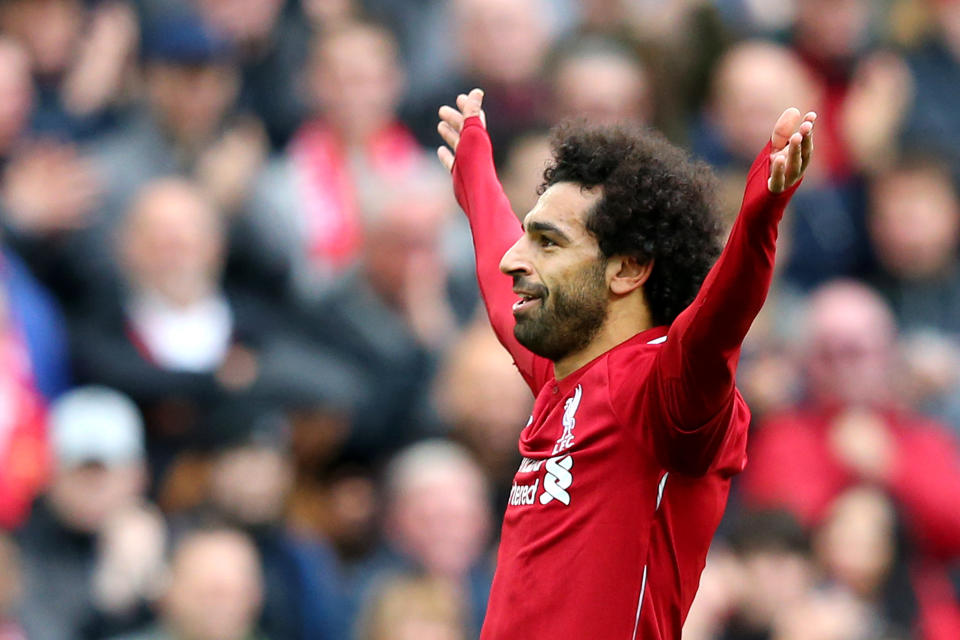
column 526, row 302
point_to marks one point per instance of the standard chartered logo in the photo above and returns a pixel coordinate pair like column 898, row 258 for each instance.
column 557, row 480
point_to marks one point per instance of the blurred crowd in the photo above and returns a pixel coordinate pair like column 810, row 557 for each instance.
column 246, row 388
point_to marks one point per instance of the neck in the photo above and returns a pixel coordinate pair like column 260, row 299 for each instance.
column 626, row 318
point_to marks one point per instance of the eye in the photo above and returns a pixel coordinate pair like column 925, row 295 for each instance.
column 544, row 241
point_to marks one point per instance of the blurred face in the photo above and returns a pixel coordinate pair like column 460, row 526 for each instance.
column 771, row 581
column 558, row 274
column 753, row 84
column 833, row 29
column 16, row 93
column 357, row 81
column 856, row 543
column 489, row 415
column 403, row 242
column 172, row 243
column 849, row 350
column 252, row 503
column 83, row 497
column 603, row 89
column 49, row 29
column 915, row 223
column 215, row 588
column 502, row 41
column 441, row 518
column 243, row 20
column 191, row 100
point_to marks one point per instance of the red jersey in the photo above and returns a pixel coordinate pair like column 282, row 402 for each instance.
column 626, row 461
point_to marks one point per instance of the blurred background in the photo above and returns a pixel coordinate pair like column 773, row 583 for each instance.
column 246, row 389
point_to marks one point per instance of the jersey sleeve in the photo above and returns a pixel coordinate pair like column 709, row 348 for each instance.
column 687, row 404
column 495, row 228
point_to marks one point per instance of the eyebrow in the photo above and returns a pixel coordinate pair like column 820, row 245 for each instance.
column 546, row 227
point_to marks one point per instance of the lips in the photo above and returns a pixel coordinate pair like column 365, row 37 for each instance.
column 528, row 299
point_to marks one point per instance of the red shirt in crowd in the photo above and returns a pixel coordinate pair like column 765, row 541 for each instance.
column 626, row 461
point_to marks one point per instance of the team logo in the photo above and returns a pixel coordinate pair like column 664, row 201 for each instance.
column 557, row 480
column 565, row 441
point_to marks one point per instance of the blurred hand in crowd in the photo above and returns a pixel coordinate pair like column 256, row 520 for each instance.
column 861, row 440
column 48, row 188
column 227, row 168
column 16, row 94
column 131, row 558
column 103, row 58
column 879, row 97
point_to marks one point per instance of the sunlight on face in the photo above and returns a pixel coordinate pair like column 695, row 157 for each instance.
column 558, row 273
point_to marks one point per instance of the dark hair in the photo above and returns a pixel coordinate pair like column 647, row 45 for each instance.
column 657, row 204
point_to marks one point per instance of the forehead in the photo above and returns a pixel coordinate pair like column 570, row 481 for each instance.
column 565, row 204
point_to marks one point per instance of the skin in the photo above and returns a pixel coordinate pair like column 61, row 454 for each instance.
column 555, row 254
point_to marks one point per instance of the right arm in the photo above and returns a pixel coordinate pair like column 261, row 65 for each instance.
column 492, row 223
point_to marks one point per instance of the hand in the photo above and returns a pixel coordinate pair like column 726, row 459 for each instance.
column 49, row 188
column 229, row 167
column 861, row 441
column 792, row 142
column 451, row 123
column 130, row 561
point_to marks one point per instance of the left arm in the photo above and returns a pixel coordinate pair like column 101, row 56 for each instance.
column 690, row 395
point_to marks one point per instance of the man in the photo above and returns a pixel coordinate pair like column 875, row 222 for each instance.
column 609, row 257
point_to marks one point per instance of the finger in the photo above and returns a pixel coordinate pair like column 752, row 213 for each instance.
column 470, row 105
column 483, row 118
column 777, row 174
column 446, row 157
column 452, row 117
column 794, row 159
column 787, row 123
column 806, row 147
column 451, row 137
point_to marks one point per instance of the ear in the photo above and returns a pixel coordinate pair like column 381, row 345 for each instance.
column 626, row 274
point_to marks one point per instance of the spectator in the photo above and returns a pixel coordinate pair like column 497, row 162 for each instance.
column 10, row 591
column 271, row 45
column 178, row 342
column 859, row 547
column 214, row 591
column 501, row 46
column 46, row 191
column 404, row 288
column 310, row 203
column 523, row 170
column 301, row 599
column 602, row 81
column 486, row 418
column 92, row 550
column 437, row 522
column 931, row 125
column 768, row 570
column 852, row 429
column 914, row 224
column 188, row 125
column 415, row 608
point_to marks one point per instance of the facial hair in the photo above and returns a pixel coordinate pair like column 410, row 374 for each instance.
column 569, row 316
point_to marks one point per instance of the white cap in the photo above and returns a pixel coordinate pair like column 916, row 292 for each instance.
column 95, row 424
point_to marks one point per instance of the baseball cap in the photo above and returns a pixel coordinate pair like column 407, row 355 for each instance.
column 95, row 424
column 183, row 39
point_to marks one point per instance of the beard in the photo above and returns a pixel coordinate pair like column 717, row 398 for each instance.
column 568, row 316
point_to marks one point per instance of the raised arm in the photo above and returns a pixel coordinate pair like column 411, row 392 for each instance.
column 492, row 222
column 691, row 390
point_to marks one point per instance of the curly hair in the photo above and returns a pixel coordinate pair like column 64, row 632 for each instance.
column 657, row 204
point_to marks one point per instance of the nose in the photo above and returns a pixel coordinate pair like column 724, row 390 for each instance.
column 514, row 261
